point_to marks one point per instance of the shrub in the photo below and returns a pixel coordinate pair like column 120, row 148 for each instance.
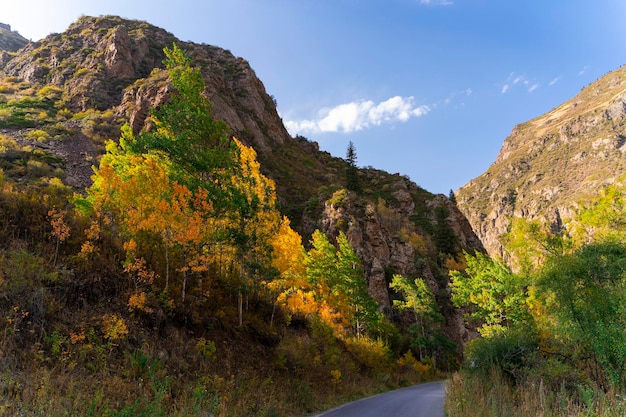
column 38, row 135
column 338, row 198
column 113, row 327
column 206, row 348
column 81, row 71
column 409, row 361
column 139, row 302
column 373, row 354
column 65, row 114
column 6, row 89
column 12, row 80
column 511, row 352
column 22, row 269
column 58, row 131
column 50, row 92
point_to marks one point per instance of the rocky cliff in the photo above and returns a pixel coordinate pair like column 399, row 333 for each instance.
column 548, row 165
column 10, row 41
column 108, row 70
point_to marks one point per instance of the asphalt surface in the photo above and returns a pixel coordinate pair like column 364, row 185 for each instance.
column 424, row 400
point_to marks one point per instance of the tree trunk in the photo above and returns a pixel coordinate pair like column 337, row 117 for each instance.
column 184, row 285
column 240, row 307
column 56, row 252
column 167, row 266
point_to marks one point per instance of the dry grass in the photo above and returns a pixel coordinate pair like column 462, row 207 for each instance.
column 472, row 396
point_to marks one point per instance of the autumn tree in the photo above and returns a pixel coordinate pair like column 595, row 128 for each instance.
column 200, row 193
column 136, row 191
column 60, row 229
column 291, row 287
column 339, row 282
column 254, row 219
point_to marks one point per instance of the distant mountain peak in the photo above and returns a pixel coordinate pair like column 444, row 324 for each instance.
column 11, row 41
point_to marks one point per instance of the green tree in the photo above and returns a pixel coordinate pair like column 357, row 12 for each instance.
column 337, row 276
column 198, row 145
column 496, row 295
column 530, row 242
column 445, row 239
column 419, row 299
column 352, row 171
column 604, row 218
column 188, row 186
column 452, row 197
column 351, row 280
column 585, row 291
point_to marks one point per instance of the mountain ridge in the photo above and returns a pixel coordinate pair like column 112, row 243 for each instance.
column 10, row 40
column 549, row 165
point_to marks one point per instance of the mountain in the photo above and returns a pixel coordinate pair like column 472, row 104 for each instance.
column 10, row 41
column 63, row 97
column 550, row 164
column 109, row 64
column 115, row 65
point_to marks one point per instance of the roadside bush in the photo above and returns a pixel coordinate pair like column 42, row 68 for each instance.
column 511, row 353
column 373, row 354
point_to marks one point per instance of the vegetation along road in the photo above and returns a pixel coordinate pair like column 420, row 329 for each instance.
column 424, row 400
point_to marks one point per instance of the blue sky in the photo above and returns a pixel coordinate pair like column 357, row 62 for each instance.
column 425, row 88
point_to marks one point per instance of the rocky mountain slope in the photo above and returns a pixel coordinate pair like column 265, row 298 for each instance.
column 548, row 165
column 10, row 41
column 105, row 71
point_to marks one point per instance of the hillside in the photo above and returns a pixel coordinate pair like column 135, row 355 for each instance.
column 10, row 41
column 61, row 99
column 551, row 163
column 110, row 71
column 555, row 284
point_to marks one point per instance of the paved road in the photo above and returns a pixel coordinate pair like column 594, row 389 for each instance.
column 424, row 400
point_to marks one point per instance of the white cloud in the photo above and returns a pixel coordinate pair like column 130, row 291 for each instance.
column 554, row 81
column 583, row 71
column 436, row 2
column 513, row 80
column 453, row 97
column 359, row 115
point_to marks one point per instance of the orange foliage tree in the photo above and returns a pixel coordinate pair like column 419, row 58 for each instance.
column 186, row 194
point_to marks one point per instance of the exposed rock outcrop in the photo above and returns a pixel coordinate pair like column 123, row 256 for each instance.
column 390, row 243
column 10, row 41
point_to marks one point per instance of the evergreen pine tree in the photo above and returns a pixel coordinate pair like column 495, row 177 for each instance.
column 452, row 197
column 352, row 171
